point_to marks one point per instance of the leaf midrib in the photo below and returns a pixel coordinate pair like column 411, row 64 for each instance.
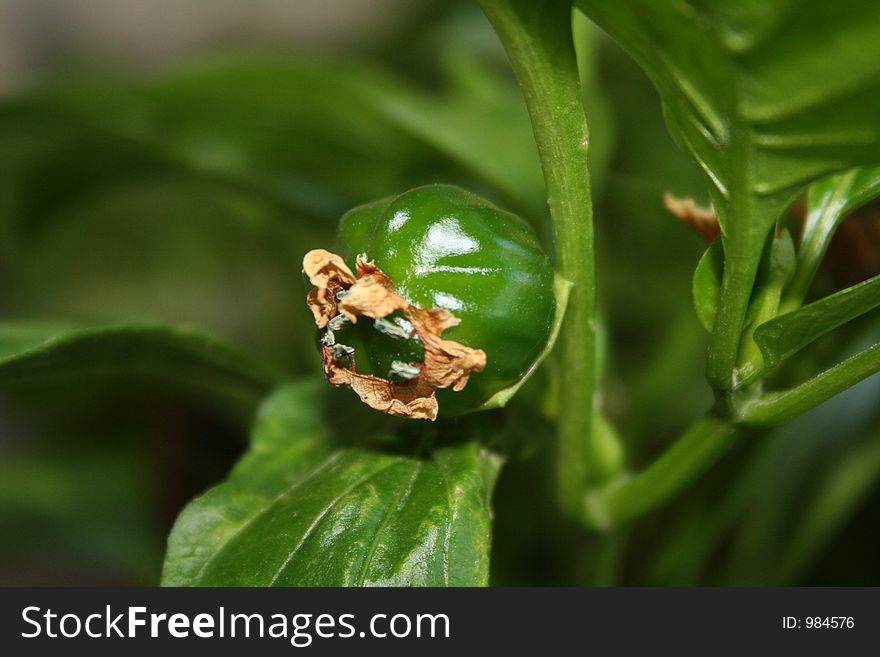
column 397, row 502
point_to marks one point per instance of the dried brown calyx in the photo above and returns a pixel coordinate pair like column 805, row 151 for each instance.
column 339, row 297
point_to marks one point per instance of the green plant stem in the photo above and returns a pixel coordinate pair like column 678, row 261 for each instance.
column 780, row 406
column 698, row 448
column 538, row 40
column 743, row 246
column 609, row 506
column 605, row 559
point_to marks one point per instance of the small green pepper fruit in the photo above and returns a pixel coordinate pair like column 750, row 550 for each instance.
column 444, row 247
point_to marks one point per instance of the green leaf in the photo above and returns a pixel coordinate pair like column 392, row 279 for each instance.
column 829, row 201
column 177, row 252
column 292, row 126
column 285, row 130
column 302, row 508
column 479, row 122
column 707, row 284
column 32, row 354
column 762, row 108
column 787, row 334
column 775, row 272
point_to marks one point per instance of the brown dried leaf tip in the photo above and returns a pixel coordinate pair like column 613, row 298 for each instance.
column 703, row 220
column 338, row 297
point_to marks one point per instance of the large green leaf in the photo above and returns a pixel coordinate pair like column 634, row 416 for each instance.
column 766, row 96
column 176, row 252
column 34, row 354
column 303, row 508
column 787, row 334
column 480, row 122
column 284, row 129
column 829, row 201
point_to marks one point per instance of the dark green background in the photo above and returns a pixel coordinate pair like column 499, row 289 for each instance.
column 188, row 193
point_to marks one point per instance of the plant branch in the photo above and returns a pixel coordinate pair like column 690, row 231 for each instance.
column 697, row 449
column 620, row 501
column 538, row 40
column 777, row 407
column 744, row 242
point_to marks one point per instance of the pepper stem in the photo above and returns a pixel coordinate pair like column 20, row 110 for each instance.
column 538, row 39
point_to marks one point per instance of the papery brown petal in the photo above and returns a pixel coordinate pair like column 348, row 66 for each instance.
column 337, row 375
column 320, row 308
column 367, row 267
column 702, row 220
column 449, row 363
column 328, row 273
column 431, row 320
column 321, row 266
column 415, row 400
column 371, row 296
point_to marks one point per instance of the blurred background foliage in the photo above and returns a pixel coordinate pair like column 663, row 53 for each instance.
column 172, row 165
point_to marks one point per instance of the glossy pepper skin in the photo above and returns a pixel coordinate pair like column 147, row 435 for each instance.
column 445, row 247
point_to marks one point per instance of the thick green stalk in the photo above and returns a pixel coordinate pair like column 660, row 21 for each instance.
column 609, row 506
column 743, row 245
column 691, row 455
column 537, row 37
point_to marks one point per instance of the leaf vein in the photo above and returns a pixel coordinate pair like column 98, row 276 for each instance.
column 400, row 497
column 447, row 525
column 289, row 489
column 322, row 515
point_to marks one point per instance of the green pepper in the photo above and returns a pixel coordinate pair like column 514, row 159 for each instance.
column 444, row 247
